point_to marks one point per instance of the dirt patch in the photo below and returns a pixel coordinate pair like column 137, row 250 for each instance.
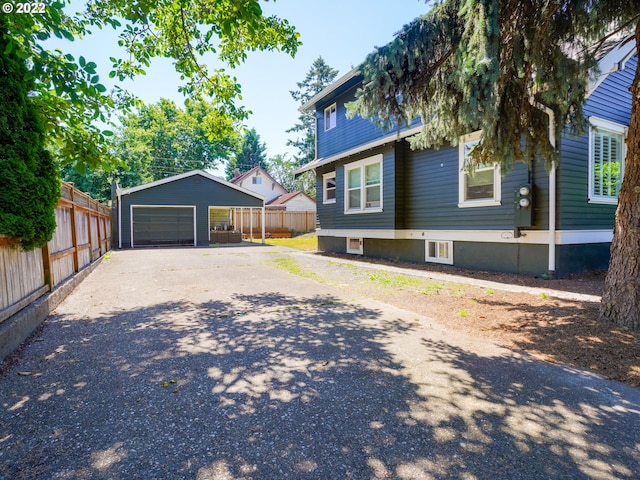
column 551, row 329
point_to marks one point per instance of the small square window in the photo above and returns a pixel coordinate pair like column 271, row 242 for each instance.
column 354, row 245
column 329, row 187
column 330, row 117
column 439, row 251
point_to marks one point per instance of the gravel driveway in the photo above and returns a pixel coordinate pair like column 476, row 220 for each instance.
column 213, row 364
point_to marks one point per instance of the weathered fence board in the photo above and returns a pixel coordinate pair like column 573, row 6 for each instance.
column 82, row 235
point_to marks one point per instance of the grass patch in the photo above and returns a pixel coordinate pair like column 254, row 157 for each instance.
column 306, row 243
column 463, row 313
column 398, row 281
column 292, row 266
column 433, row 288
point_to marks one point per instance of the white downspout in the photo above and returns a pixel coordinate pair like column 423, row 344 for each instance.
column 552, row 195
column 119, row 220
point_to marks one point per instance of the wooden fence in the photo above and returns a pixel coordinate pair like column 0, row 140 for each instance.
column 82, row 235
column 293, row 221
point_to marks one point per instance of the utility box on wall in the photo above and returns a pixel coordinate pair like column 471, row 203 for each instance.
column 523, row 206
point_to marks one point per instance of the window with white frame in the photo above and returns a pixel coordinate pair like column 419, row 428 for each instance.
column 482, row 187
column 363, row 185
column 439, row 251
column 329, row 187
column 330, row 117
column 354, row 245
column 606, row 160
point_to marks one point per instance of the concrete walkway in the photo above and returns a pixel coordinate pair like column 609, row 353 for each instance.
column 213, row 364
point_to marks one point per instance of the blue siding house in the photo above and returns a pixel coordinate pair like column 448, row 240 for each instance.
column 377, row 197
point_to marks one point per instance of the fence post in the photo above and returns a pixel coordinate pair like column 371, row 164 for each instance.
column 46, row 267
column 74, row 239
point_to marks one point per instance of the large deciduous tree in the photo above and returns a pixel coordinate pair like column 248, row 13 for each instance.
column 499, row 66
column 72, row 96
column 158, row 141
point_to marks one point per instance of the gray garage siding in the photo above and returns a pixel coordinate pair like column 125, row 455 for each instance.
column 196, row 190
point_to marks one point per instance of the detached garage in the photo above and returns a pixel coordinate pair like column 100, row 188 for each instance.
column 191, row 209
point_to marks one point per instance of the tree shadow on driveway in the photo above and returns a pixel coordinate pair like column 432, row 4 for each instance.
column 271, row 386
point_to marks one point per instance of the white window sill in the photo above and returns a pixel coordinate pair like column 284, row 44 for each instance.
column 603, row 201
column 368, row 210
column 480, row 203
column 445, row 261
column 327, row 202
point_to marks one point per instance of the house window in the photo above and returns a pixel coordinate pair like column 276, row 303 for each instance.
column 257, row 180
column 439, row 251
column 329, row 187
column 483, row 187
column 330, row 117
column 606, row 160
column 363, row 186
column 354, row 245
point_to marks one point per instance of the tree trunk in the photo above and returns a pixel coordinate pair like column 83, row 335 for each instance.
column 621, row 296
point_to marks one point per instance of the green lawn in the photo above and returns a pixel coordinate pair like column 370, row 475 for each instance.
column 307, row 243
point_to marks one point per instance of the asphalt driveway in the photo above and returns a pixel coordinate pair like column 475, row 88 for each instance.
column 214, row 364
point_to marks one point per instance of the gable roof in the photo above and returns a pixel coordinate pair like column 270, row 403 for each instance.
column 284, row 198
column 613, row 57
column 237, row 180
column 202, row 173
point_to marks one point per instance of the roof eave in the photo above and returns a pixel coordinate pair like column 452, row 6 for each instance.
column 310, row 104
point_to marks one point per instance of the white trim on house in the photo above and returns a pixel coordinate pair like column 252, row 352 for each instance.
column 319, row 162
column 195, row 229
column 605, row 126
column 537, row 237
column 331, row 117
column 359, row 247
column 311, row 103
column 325, row 177
column 612, row 62
column 463, row 202
column 362, row 166
column 437, row 249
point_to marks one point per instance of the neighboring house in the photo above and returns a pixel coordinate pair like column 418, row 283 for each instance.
column 193, row 208
column 276, row 196
column 377, row 197
column 293, row 202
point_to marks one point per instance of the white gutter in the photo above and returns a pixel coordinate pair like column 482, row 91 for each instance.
column 309, row 104
column 319, row 162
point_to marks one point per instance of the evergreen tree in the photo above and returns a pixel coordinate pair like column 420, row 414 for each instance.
column 252, row 153
column 496, row 65
column 28, row 175
column 318, row 77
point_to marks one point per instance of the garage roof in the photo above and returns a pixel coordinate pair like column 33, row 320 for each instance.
column 126, row 191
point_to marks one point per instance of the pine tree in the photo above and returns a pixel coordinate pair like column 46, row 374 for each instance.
column 28, row 175
column 252, row 154
column 318, row 77
column 495, row 65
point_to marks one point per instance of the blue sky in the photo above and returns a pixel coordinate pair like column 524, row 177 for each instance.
column 343, row 32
